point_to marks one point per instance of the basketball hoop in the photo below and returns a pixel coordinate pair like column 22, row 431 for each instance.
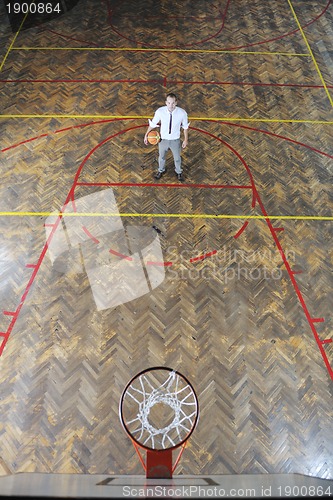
column 159, row 410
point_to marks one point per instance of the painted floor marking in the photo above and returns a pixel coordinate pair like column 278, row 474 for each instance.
column 180, row 215
column 310, row 52
column 191, row 118
column 11, row 46
column 138, row 49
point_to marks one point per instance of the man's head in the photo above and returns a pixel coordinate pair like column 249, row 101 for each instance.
column 171, row 102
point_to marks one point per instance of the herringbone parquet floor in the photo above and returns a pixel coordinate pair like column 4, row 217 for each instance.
column 241, row 301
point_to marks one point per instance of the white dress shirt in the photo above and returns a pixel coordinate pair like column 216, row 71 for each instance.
column 162, row 117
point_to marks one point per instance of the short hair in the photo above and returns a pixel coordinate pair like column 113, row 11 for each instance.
column 172, row 95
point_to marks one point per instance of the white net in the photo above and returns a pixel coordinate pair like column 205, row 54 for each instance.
column 159, row 409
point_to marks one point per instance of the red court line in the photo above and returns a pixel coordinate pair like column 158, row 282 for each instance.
column 126, row 257
column 164, row 81
column 299, row 294
column 78, row 173
column 27, row 289
column 204, row 256
column 160, row 264
column 250, row 84
column 67, row 37
column 154, row 184
column 88, row 124
column 109, row 12
column 66, row 80
column 222, row 16
column 3, row 342
column 25, row 142
column 285, row 34
column 256, row 198
column 88, row 233
column 225, row 48
column 72, row 127
column 95, row 240
column 244, row 226
column 246, row 127
column 109, row 120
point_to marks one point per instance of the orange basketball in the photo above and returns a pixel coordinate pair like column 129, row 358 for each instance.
column 153, row 137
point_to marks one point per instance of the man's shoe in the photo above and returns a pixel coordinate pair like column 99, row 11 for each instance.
column 180, row 177
column 158, row 175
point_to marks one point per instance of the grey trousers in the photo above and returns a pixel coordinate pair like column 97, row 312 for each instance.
column 163, row 146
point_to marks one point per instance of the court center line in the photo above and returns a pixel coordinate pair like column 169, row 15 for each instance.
column 311, row 53
column 137, row 49
column 191, row 118
column 167, row 215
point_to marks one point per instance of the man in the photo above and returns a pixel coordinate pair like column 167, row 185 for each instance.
column 171, row 120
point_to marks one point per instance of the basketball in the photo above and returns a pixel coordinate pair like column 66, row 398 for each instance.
column 154, row 137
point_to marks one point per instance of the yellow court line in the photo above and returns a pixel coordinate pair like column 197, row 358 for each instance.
column 266, row 120
column 11, row 45
column 311, row 53
column 185, row 216
column 191, row 118
column 136, row 49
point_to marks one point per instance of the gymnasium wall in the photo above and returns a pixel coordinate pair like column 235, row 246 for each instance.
column 19, row 10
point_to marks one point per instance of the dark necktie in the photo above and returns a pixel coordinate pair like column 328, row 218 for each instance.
column 170, row 123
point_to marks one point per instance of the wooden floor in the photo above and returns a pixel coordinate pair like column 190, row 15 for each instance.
column 239, row 296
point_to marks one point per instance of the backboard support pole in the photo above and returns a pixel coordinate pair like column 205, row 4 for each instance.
column 159, row 464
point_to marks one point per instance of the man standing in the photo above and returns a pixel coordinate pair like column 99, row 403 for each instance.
column 171, row 120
